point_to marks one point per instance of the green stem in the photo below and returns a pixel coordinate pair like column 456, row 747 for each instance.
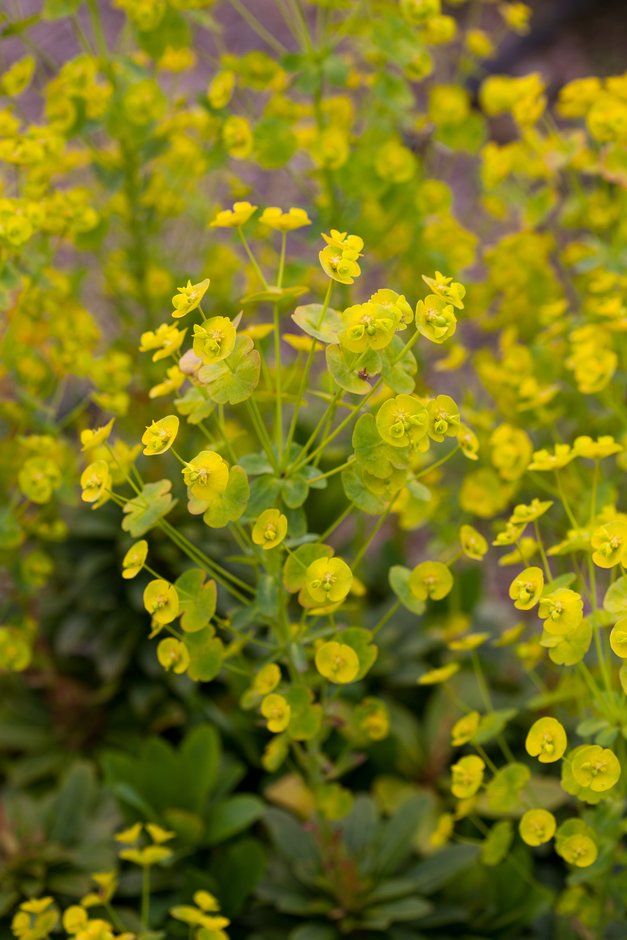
column 258, row 27
column 260, row 428
column 386, row 617
column 251, row 256
column 373, row 533
column 305, row 375
column 145, row 908
column 438, row 463
column 330, row 473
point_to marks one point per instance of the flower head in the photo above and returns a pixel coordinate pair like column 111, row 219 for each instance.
column 133, row 561
column 337, row 662
column 467, row 776
column 473, row 543
column 173, row 655
column 233, row 218
column 537, row 826
column 526, row 589
column 443, row 418
column 160, row 435
column 610, row 544
column 546, row 740
column 561, row 610
column 595, row 767
column 189, row 297
column 618, row 638
column 281, row 221
column 95, row 481
column 270, row 529
column 166, row 340
column 214, row 339
column 396, row 304
column 277, row 712
column 546, row 460
column 430, row 579
column 402, row 421
column 93, row 438
column 367, row 326
column 266, row 679
column 435, row 318
column 445, row 287
column 463, row 729
column 339, row 258
column 206, row 475
column 328, row 580
column 161, row 600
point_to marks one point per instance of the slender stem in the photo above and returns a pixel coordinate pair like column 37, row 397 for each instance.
column 305, row 375
column 386, row 617
column 145, row 908
column 543, row 555
column 330, row 473
column 260, row 428
column 438, row 463
column 258, row 27
column 373, row 533
column 329, row 411
column 338, row 522
column 251, row 256
column 213, row 568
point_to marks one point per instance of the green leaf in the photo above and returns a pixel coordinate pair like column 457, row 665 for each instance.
column 232, row 815
column 615, row 600
column 345, row 373
column 237, row 872
column 230, row 505
column 503, row 790
column 570, row 649
column 197, row 599
column 291, row 840
column 200, row 763
column 491, row 725
column 234, row 379
column 15, row 28
column 497, row 843
column 205, row 654
column 359, row 494
column 400, row 375
column 399, row 582
column 309, row 318
column 255, row 464
column 402, row 909
column 314, row 932
column 275, row 295
column 397, row 835
column 194, row 405
column 305, row 723
column 145, row 510
column 564, row 581
column 372, row 453
column 72, row 803
column 268, row 595
column 294, row 492
column 435, row 872
column 57, row 9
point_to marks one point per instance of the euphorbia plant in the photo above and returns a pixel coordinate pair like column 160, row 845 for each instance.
column 288, row 615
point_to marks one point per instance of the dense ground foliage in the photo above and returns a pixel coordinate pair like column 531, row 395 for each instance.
column 313, row 595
